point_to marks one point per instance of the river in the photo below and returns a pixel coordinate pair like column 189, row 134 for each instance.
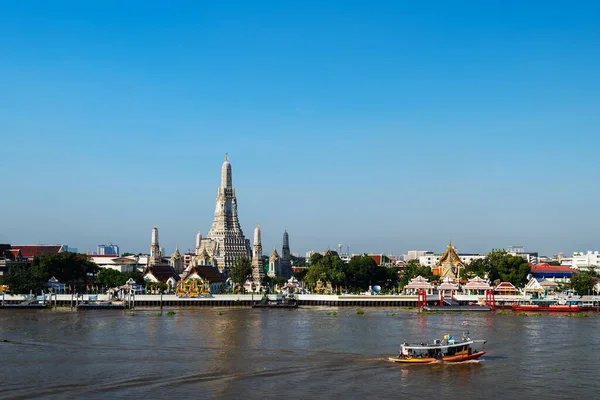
column 235, row 353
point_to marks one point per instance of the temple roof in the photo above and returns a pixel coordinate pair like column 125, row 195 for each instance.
column 30, row 251
column 448, row 285
column 545, row 267
column 449, row 258
column 161, row 272
column 204, row 254
column 418, row 283
column 506, row 287
column 206, row 272
column 477, row 283
column 176, row 254
column 274, row 254
column 533, row 286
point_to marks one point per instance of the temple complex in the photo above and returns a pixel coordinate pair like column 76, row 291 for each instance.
column 258, row 271
column 225, row 240
column 449, row 265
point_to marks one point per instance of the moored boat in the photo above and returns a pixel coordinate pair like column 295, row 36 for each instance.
column 289, row 301
column 546, row 307
column 441, row 350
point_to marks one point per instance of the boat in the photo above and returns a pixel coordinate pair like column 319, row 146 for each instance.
column 546, row 307
column 288, row 301
column 442, row 350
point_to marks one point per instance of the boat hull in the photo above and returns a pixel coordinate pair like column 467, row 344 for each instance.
column 552, row 308
column 448, row 359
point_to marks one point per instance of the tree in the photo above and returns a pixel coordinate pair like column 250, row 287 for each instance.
column 478, row 267
column 111, row 278
column 25, row 278
column 298, row 261
column 73, row 269
column 315, row 258
column 241, row 271
column 300, row 274
column 328, row 268
column 507, row 268
column 412, row 270
column 583, row 282
column 127, row 254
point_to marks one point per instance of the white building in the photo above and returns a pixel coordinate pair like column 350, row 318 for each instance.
column 429, row 259
column 121, row 264
column 519, row 251
column 414, row 254
column 583, row 260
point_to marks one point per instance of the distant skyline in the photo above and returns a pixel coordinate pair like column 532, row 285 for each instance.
column 383, row 126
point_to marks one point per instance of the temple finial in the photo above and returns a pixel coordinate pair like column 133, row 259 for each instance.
column 226, row 157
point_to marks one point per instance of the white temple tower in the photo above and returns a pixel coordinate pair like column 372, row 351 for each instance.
column 154, row 248
column 198, row 242
column 258, row 271
column 225, row 240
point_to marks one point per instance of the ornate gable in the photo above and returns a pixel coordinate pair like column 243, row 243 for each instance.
column 449, row 264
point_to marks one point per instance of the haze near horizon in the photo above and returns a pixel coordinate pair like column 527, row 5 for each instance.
column 382, row 126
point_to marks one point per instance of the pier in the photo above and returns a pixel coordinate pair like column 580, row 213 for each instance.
column 101, row 301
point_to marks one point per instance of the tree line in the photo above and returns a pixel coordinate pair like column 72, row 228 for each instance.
column 75, row 270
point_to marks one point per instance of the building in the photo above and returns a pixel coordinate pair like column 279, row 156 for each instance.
column 430, row 259
column 554, row 273
column 28, row 252
column 415, row 254
column 286, row 263
column 531, row 257
column 176, row 261
column 448, row 265
column 274, row 264
column 105, row 249
column 380, row 259
column 155, row 251
column 121, row 264
column 225, row 240
column 258, row 270
column 583, row 261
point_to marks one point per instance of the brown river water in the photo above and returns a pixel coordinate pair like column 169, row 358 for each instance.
column 241, row 353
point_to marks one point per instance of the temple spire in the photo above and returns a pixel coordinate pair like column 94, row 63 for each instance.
column 226, row 173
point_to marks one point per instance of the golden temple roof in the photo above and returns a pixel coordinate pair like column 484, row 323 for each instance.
column 449, row 263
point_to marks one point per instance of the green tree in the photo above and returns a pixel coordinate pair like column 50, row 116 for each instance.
column 25, row 277
column 412, row 270
column 74, row 269
column 326, row 268
column 315, row 258
column 298, row 261
column 583, row 282
column 300, row 274
column 360, row 272
column 151, row 286
column 111, row 278
column 127, row 254
column 478, row 267
column 508, row 268
column 241, row 271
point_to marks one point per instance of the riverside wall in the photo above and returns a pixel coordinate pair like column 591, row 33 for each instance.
column 246, row 300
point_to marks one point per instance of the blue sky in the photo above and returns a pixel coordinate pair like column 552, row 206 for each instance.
column 383, row 126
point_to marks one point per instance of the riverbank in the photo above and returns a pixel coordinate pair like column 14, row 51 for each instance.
column 246, row 300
